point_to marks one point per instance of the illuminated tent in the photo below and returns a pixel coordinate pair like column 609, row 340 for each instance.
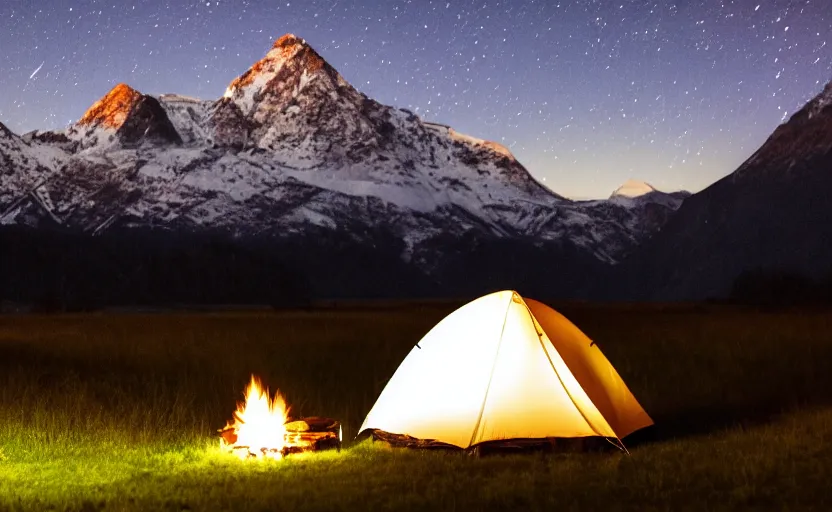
column 504, row 367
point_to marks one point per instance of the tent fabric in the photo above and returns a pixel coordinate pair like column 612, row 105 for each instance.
column 502, row 367
column 594, row 373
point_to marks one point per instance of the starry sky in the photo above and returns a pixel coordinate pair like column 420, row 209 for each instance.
column 586, row 93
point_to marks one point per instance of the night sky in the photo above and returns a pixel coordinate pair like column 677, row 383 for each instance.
column 586, row 93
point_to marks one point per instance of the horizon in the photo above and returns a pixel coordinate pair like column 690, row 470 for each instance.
column 679, row 103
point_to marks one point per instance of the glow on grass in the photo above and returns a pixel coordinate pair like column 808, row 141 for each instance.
column 259, row 423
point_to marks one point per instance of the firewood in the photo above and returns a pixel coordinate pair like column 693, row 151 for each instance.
column 305, row 435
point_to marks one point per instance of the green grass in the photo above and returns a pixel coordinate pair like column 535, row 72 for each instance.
column 118, row 412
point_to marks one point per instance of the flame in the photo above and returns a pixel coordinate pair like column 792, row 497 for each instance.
column 259, row 422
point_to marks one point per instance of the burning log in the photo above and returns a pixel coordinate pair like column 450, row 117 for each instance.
column 312, row 434
column 306, row 435
column 260, row 428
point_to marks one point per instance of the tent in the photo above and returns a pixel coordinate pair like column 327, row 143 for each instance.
column 503, row 367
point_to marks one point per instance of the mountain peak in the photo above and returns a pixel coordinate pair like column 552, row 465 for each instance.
column 288, row 66
column 289, row 46
column 288, row 40
column 111, row 111
column 126, row 115
column 633, row 188
column 812, row 108
column 805, row 136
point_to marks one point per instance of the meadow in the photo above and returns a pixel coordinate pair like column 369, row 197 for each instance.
column 119, row 411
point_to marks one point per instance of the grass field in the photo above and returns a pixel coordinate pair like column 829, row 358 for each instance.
column 119, row 412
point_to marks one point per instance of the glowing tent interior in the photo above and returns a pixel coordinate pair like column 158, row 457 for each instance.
column 503, row 367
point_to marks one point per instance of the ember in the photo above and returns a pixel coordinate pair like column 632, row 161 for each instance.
column 260, row 428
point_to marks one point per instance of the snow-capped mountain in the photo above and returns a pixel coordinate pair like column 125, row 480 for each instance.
column 650, row 208
column 24, row 167
column 632, row 188
column 772, row 214
column 294, row 151
column 123, row 118
column 633, row 192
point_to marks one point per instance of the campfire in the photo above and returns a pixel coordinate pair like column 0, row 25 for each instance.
column 261, row 428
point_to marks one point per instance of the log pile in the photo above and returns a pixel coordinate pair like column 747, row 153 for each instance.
column 306, row 435
column 312, row 435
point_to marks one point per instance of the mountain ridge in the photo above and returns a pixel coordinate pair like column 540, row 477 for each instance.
column 293, row 153
column 772, row 214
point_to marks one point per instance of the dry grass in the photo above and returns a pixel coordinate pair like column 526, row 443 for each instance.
column 118, row 412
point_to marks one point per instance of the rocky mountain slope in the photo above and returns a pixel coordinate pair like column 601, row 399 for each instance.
column 292, row 155
column 773, row 213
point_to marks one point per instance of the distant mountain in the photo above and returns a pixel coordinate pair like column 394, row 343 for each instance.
column 634, row 192
column 295, row 163
column 631, row 189
column 774, row 213
column 124, row 118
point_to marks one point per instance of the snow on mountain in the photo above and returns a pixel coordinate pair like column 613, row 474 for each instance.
column 821, row 102
column 293, row 145
column 24, row 166
column 635, row 193
column 124, row 117
column 632, row 188
column 189, row 117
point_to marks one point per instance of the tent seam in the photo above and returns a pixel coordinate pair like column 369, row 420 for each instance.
column 552, row 364
column 491, row 375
